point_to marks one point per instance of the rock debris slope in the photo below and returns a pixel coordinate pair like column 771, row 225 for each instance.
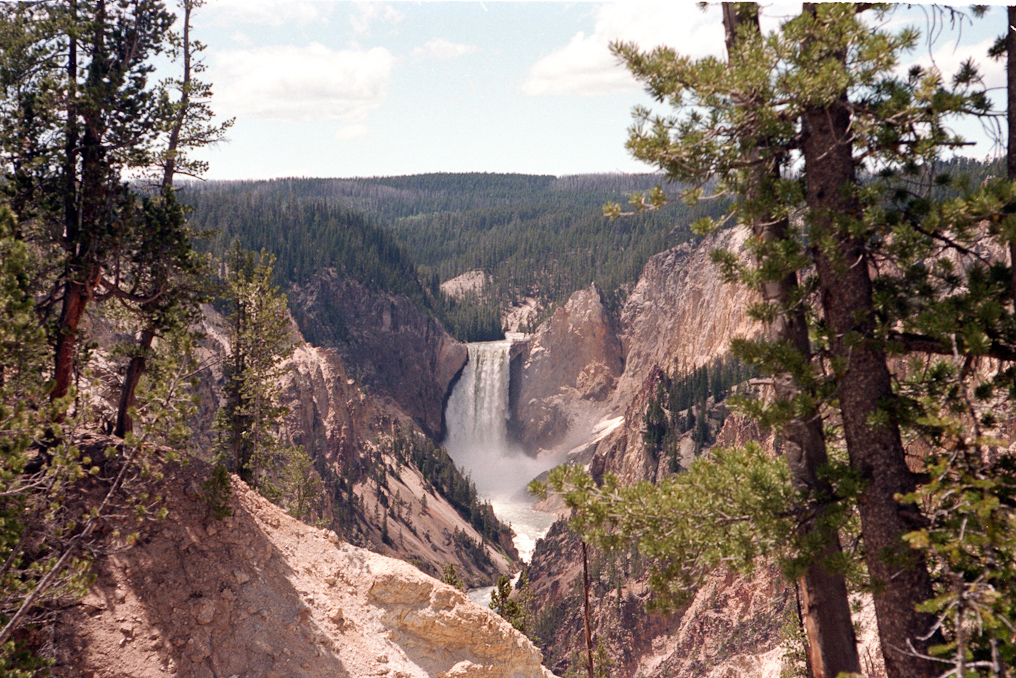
column 260, row 594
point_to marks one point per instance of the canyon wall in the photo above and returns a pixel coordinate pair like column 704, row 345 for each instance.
column 679, row 316
column 371, row 494
column 582, row 365
column 400, row 354
column 563, row 375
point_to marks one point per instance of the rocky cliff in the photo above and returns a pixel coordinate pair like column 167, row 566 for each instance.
column 679, row 316
column 564, row 374
column 680, row 312
column 582, row 366
column 261, row 594
column 400, row 354
column 372, row 494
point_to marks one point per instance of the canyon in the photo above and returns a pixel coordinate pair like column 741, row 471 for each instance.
column 373, row 380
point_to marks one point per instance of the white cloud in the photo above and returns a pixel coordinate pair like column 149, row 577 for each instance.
column 270, row 12
column 439, row 48
column 369, row 12
column 586, row 67
column 948, row 58
column 301, row 83
column 353, row 132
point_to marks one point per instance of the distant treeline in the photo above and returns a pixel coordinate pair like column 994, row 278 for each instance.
column 539, row 236
column 534, row 235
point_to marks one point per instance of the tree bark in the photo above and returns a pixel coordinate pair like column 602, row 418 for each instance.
column 825, row 604
column 899, row 574
column 75, row 296
column 135, row 369
column 585, row 592
column 1010, row 156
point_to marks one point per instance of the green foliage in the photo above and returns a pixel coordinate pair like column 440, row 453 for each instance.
column 79, row 113
column 216, row 492
column 882, row 253
column 578, row 667
column 795, row 644
column 450, row 576
column 305, row 236
column 731, row 508
column 299, row 484
column 248, row 424
column 680, row 404
column 971, row 539
column 516, row 609
column 534, row 235
column 56, row 485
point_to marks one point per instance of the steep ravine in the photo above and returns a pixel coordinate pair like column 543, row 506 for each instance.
column 374, row 496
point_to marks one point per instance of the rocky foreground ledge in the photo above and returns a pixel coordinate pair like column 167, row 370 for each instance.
column 260, row 594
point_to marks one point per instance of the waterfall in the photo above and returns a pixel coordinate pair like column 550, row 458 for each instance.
column 477, row 418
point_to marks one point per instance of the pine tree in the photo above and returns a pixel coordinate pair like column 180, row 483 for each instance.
column 821, row 91
column 169, row 269
column 260, row 337
column 80, row 116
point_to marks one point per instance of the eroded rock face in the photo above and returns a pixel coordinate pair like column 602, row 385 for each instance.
column 680, row 311
column 442, row 631
column 566, row 371
column 261, row 594
column 399, row 352
column 349, row 432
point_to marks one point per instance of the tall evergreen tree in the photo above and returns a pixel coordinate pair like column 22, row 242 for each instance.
column 260, row 338
column 166, row 262
column 822, row 92
column 76, row 83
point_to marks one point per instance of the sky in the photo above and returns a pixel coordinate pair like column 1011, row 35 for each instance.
column 328, row 88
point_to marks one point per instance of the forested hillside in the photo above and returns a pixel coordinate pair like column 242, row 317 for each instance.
column 536, row 236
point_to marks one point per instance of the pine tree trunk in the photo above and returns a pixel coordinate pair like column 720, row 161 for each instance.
column 825, row 605
column 898, row 573
column 74, row 302
column 1010, row 157
column 135, row 369
column 75, row 295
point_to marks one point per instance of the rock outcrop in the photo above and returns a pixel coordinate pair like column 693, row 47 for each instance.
column 564, row 374
column 261, row 594
column 399, row 352
column 469, row 283
column 680, row 312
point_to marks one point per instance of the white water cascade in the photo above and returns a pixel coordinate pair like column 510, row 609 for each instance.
column 477, row 420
